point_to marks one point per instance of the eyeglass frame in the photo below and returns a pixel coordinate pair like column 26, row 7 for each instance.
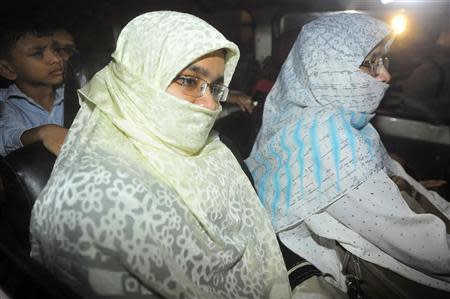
column 375, row 64
column 203, row 87
column 65, row 52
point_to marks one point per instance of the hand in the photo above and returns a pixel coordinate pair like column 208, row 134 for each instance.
column 242, row 100
column 430, row 184
column 51, row 136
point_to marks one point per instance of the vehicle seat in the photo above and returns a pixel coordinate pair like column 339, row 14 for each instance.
column 24, row 173
column 23, row 277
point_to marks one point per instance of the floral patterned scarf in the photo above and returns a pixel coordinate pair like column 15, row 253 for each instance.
column 144, row 199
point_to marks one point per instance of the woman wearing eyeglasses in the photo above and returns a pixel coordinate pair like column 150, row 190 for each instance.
column 144, row 200
column 334, row 195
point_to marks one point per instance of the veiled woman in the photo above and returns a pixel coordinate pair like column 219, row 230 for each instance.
column 144, row 199
column 326, row 180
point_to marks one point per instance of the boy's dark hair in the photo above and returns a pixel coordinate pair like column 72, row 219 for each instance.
column 14, row 28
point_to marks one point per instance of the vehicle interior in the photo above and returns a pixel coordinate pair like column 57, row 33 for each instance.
column 414, row 128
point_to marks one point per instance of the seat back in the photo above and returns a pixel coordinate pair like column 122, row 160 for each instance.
column 25, row 173
column 23, row 277
column 71, row 85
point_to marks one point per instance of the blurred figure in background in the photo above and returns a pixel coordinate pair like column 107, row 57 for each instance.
column 65, row 46
column 427, row 89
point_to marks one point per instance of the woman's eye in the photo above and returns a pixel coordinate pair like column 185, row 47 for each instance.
column 215, row 89
column 188, row 81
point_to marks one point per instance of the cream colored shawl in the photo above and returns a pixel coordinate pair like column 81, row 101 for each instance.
column 144, row 199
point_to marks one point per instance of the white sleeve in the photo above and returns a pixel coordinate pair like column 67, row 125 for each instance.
column 377, row 211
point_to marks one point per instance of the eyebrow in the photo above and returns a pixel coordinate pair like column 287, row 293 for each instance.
column 35, row 48
column 204, row 72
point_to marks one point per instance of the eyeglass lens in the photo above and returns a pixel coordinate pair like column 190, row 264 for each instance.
column 377, row 64
column 196, row 87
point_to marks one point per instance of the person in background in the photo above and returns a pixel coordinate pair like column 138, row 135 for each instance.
column 144, row 199
column 427, row 88
column 31, row 109
column 240, row 99
column 65, row 46
column 334, row 195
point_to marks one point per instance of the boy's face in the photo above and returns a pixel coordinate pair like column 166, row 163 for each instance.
column 33, row 61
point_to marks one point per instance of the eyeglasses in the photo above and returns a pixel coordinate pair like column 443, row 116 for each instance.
column 375, row 64
column 67, row 50
column 196, row 87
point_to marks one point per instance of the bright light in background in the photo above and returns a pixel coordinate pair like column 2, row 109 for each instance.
column 398, row 23
column 387, row 1
column 351, row 11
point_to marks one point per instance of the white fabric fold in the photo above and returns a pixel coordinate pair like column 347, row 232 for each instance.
column 144, row 199
column 321, row 170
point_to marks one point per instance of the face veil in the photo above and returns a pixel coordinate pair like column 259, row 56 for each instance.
column 316, row 142
column 131, row 90
column 323, row 174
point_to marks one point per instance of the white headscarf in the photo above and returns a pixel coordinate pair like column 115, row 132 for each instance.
column 322, row 172
column 143, row 198
column 316, row 142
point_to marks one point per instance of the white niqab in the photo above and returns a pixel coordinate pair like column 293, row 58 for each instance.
column 144, row 200
column 321, row 170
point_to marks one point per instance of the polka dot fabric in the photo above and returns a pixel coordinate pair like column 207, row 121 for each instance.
column 322, row 172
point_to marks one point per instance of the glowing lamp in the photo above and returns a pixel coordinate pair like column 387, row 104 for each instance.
column 398, row 23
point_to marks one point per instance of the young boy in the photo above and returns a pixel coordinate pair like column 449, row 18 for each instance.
column 31, row 108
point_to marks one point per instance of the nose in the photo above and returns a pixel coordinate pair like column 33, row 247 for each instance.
column 54, row 58
column 207, row 101
column 383, row 75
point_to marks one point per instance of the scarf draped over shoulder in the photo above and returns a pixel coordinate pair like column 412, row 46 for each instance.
column 144, row 198
column 316, row 142
column 322, row 172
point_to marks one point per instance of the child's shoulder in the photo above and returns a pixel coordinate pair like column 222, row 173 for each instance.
column 11, row 90
column 3, row 94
